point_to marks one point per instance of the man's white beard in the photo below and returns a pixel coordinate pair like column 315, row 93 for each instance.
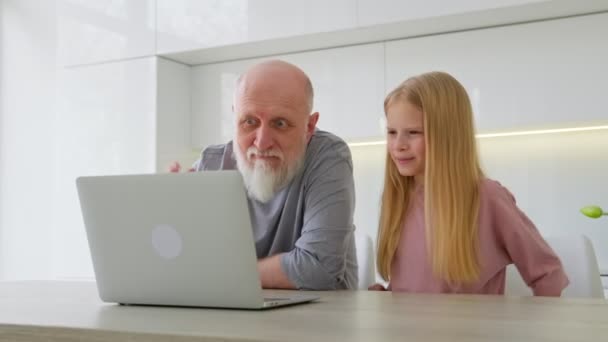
column 262, row 180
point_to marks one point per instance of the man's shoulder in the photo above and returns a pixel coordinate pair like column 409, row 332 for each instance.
column 213, row 157
column 218, row 149
column 326, row 144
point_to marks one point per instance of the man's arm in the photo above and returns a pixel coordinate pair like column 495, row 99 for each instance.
column 323, row 257
column 272, row 275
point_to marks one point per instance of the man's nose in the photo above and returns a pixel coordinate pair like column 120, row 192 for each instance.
column 263, row 139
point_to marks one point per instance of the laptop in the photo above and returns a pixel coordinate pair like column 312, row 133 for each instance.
column 175, row 240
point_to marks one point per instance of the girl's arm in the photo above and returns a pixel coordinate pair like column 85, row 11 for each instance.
column 539, row 266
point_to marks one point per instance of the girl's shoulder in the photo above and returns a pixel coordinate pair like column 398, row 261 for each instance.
column 492, row 191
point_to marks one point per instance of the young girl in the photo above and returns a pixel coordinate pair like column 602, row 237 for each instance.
column 444, row 227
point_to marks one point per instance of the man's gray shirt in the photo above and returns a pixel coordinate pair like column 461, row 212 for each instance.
column 311, row 219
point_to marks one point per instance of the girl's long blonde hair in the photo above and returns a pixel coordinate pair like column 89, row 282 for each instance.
column 451, row 180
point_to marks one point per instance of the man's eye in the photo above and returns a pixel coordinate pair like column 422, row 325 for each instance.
column 250, row 122
column 281, row 123
column 390, row 132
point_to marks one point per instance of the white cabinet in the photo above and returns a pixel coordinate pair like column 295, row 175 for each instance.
column 545, row 74
column 106, row 117
column 93, row 31
column 374, row 12
column 348, row 84
column 214, row 31
column 173, row 114
column 212, row 90
column 349, row 89
column 195, row 24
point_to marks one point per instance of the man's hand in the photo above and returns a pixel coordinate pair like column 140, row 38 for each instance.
column 272, row 275
column 376, row 287
column 175, row 167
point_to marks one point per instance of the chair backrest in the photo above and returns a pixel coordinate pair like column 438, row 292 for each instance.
column 578, row 258
column 365, row 259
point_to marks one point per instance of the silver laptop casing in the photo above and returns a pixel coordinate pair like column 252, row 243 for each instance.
column 173, row 239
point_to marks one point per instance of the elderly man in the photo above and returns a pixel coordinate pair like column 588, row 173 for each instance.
column 299, row 181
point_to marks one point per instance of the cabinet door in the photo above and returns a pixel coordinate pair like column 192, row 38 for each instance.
column 93, row 31
column 544, row 74
column 349, row 89
column 195, row 24
column 212, row 91
column 348, row 84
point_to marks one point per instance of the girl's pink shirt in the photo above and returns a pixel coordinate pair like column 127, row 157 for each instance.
column 506, row 236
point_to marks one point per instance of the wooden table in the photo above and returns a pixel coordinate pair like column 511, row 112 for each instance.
column 71, row 311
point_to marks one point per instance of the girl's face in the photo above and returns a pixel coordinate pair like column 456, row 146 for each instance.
column 405, row 139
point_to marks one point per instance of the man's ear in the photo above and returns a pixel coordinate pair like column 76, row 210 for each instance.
column 312, row 124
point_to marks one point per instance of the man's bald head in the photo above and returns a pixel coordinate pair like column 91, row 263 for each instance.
column 280, row 78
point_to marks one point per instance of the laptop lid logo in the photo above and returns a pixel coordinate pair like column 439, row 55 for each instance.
column 166, row 241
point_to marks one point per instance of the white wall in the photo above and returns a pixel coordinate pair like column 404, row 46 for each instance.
column 105, row 124
column 58, row 123
column 27, row 102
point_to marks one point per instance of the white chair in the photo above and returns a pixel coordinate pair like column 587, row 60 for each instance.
column 578, row 258
column 365, row 259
